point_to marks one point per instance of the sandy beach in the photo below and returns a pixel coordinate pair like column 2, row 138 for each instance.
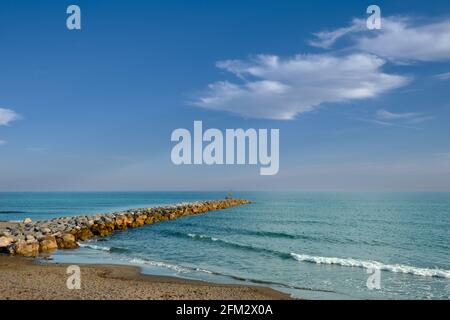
column 24, row 278
column 28, row 278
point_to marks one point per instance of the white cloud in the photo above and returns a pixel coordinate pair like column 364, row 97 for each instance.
column 443, row 76
column 387, row 118
column 7, row 116
column 2, row 142
column 276, row 88
column 386, row 115
column 272, row 87
column 400, row 39
column 420, row 119
column 326, row 39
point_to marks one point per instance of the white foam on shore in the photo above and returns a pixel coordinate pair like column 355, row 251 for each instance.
column 139, row 261
column 94, row 247
column 160, row 264
column 397, row 268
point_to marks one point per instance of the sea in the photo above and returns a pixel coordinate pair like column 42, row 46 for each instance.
column 346, row 245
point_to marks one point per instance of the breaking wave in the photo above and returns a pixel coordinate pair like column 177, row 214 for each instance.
column 102, row 248
column 397, row 268
column 174, row 267
column 237, row 245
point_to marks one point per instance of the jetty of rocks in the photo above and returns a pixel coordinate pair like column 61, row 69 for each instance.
column 30, row 238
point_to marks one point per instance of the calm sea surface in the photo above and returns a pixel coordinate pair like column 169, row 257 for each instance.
column 312, row 245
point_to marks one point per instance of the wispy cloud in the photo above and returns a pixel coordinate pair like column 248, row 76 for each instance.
column 2, row 142
column 400, row 39
column 379, row 122
column 420, row 119
column 7, row 116
column 402, row 120
column 386, row 115
column 275, row 88
column 443, row 76
column 326, row 39
column 387, row 118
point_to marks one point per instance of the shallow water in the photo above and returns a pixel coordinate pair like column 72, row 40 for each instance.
column 313, row 245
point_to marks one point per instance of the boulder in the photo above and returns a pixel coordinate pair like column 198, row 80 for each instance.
column 5, row 241
column 48, row 244
column 173, row 215
column 84, row 234
column 5, row 233
column 67, row 241
column 27, row 220
column 139, row 221
column 129, row 219
column 157, row 217
column 102, row 229
column 149, row 220
column 26, row 249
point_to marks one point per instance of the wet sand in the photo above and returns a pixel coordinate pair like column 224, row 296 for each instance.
column 24, row 278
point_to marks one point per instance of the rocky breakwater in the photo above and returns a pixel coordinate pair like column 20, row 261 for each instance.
column 31, row 238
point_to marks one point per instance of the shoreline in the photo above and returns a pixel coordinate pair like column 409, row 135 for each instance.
column 27, row 278
column 25, row 274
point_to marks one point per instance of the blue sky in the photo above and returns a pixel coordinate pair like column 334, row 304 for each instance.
column 93, row 109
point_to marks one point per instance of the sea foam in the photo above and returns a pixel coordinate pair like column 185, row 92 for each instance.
column 397, row 268
column 94, row 247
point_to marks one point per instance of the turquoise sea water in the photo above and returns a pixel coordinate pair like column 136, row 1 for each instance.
column 312, row 245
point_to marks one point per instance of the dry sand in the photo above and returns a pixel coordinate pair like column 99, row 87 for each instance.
column 22, row 278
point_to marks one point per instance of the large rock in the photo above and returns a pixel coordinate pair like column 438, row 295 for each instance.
column 46, row 230
column 121, row 222
column 5, row 241
column 150, row 219
column 102, row 229
column 139, row 221
column 26, row 249
column 67, row 241
column 157, row 217
column 7, row 244
column 173, row 215
column 27, row 220
column 48, row 244
column 84, row 234
column 129, row 219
